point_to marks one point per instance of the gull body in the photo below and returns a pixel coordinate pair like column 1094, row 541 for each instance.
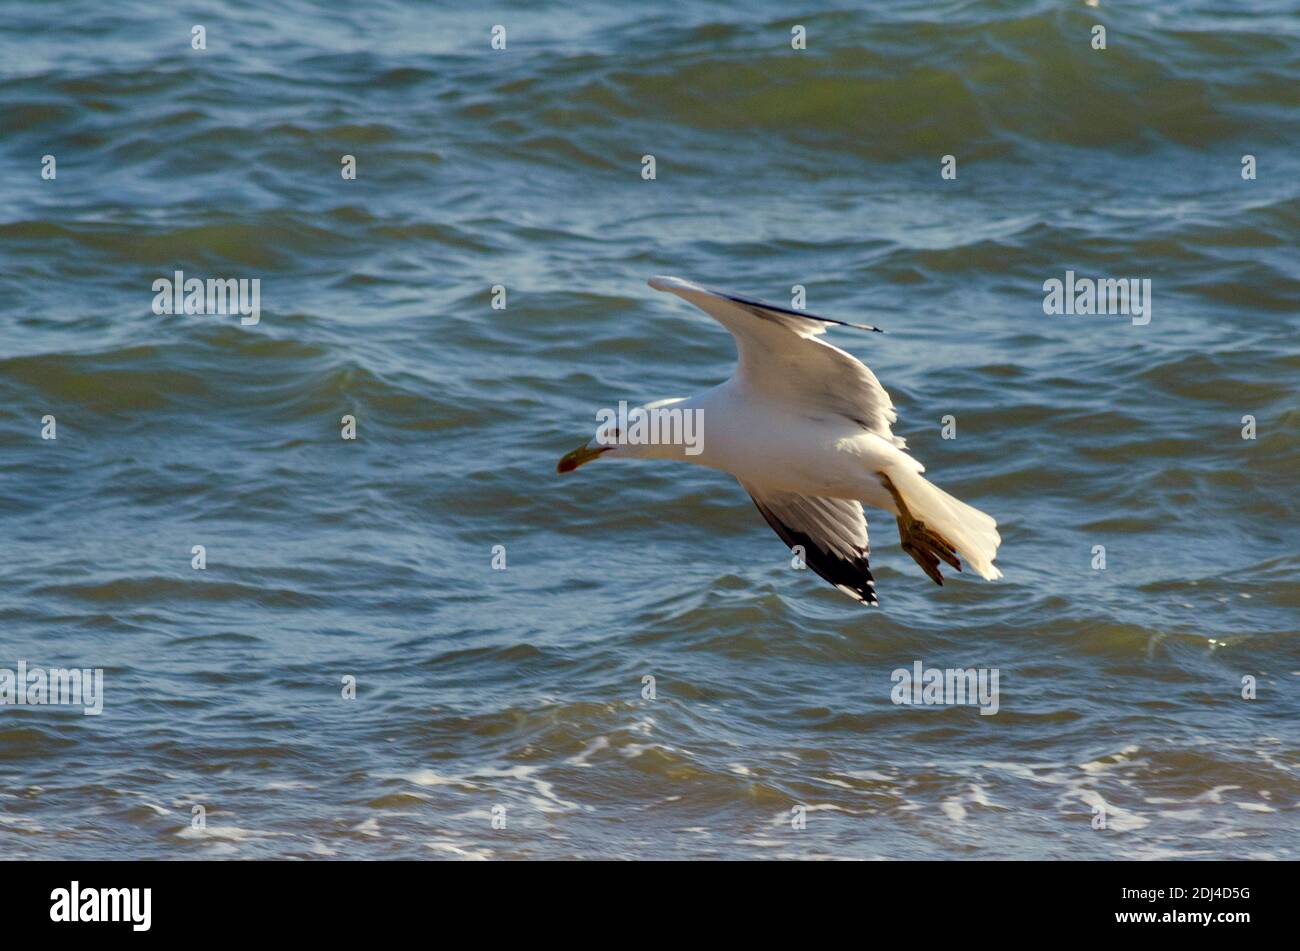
column 805, row 428
column 764, row 443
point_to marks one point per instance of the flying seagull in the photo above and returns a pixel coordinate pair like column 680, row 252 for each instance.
column 805, row 428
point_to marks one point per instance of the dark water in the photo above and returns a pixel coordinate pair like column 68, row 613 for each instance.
column 522, row 689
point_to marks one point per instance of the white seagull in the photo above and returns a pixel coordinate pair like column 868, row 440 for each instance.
column 805, row 426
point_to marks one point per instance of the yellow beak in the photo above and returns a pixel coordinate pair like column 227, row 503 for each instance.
column 580, row 457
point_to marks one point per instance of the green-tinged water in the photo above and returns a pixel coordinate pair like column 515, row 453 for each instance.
column 519, row 695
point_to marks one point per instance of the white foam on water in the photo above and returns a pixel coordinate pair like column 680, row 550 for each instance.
column 784, row 818
column 1122, row 758
column 764, row 843
column 1117, row 819
column 595, row 746
column 953, row 809
column 1182, row 815
column 228, row 833
column 545, row 799
column 471, row 854
column 427, row 777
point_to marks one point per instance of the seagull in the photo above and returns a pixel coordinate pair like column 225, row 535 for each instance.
column 805, row 428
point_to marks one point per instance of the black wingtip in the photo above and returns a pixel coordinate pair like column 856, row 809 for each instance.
column 865, row 596
column 850, row 575
column 778, row 309
column 847, row 323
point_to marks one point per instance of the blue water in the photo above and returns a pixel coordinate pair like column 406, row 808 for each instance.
column 515, row 696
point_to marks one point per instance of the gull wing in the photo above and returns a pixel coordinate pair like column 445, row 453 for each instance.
column 831, row 532
column 780, row 357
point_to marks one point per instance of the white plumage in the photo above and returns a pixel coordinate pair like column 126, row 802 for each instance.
column 805, row 427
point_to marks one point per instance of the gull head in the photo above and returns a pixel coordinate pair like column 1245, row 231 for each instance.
column 658, row 430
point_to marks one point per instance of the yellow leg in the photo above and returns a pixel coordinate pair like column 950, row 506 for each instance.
column 927, row 548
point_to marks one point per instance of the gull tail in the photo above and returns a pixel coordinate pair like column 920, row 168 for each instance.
column 934, row 526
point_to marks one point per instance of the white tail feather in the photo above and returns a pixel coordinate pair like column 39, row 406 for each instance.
column 970, row 531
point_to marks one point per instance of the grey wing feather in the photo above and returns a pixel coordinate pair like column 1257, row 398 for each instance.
column 779, row 354
column 832, row 534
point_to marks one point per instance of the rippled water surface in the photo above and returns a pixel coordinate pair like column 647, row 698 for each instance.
column 519, row 692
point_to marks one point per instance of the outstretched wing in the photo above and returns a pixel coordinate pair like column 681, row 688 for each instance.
column 780, row 357
column 831, row 532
